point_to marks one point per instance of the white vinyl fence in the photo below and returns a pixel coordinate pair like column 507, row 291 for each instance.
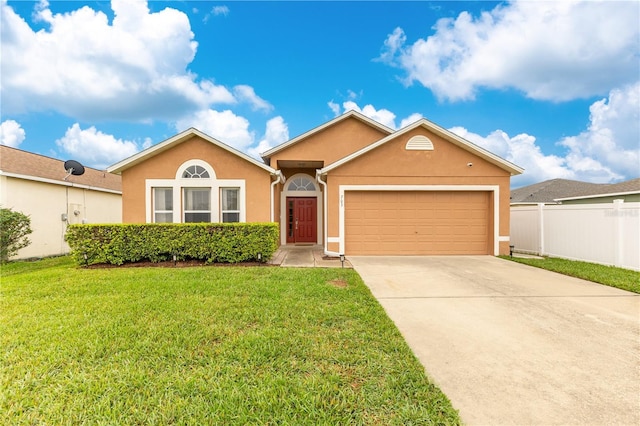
column 600, row 233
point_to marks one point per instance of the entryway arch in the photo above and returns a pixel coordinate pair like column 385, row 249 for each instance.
column 301, row 210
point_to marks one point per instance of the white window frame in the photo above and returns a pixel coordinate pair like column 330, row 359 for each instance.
column 222, row 211
column 178, row 183
column 199, row 177
column 184, row 204
column 300, row 176
column 153, row 195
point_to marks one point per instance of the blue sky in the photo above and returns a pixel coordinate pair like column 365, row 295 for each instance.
column 551, row 86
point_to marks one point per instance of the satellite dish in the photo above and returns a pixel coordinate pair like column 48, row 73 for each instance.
column 73, row 168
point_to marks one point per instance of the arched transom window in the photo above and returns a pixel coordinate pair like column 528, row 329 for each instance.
column 195, row 195
column 301, row 183
column 195, row 172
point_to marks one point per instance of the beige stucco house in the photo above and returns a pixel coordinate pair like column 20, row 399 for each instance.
column 39, row 187
column 352, row 185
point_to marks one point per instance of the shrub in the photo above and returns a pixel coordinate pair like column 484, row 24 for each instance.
column 14, row 228
column 157, row 242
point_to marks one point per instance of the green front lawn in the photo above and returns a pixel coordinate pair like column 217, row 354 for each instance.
column 624, row 279
column 204, row 345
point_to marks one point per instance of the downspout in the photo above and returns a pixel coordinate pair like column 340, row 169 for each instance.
column 279, row 178
column 324, row 214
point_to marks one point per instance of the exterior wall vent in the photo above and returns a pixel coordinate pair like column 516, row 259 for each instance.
column 419, row 143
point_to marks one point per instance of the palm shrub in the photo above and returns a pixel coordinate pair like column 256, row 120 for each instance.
column 14, row 228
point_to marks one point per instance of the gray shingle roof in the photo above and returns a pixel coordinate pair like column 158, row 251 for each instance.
column 19, row 162
column 550, row 190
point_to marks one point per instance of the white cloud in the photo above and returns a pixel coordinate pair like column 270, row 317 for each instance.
column 522, row 151
column 277, row 132
column 233, row 130
column 216, row 11
column 11, row 133
column 135, row 68
column 613, row 136
column 351, row 95
column 334, row 107
column 224, row 126
column 220, row 10
column 382, row 116
column 392, row 45
column 552, row 50
column 410, row 119
column 94, row 148
column 246, row 94
column 607, row 151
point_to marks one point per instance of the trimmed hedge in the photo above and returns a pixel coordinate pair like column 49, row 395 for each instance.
column 210, row 242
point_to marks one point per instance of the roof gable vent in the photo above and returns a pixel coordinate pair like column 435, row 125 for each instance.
column 419, row 143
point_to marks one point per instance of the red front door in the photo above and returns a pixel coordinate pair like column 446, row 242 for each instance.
column 302, row 225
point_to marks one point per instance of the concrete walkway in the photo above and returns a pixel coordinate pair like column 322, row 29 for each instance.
column 305, row 256
column 513, row 344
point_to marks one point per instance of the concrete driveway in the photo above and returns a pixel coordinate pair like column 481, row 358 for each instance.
column 512, row 344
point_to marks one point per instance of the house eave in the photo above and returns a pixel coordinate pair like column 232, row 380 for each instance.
column 584, row 197
column 58, row 182
column 267, row 154
column 530, row 203
column 154, row 150
column 451, row 137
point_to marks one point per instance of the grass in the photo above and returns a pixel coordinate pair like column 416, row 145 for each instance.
column 204, row 345
column 612, row 276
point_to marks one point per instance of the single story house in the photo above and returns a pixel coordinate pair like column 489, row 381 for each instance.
column 41, row 188
column 566, row 191
column 351, row 184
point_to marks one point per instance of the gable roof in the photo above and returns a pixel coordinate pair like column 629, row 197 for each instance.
column 346, row 115
column 26, row 165
column 176, row 140
column 447, row 135
column 553, row 190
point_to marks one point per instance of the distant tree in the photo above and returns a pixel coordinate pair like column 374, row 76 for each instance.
column 14, row 228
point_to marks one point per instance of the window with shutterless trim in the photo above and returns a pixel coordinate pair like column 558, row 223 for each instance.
column 195, row 194
column 163, row 205
column 301, row 183
column 195, row 172
column 230, row 204
column 197, row 205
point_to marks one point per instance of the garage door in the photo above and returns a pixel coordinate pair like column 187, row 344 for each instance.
column 406, row 223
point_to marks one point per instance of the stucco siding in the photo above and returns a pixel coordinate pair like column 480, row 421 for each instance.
column 332, row 143
column 45, row 203
column 447, row 165
column 225, row 165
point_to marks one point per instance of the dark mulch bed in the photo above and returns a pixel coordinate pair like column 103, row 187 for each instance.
column 172, row 264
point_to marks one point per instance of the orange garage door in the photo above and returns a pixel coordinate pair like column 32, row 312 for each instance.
column 405, row 223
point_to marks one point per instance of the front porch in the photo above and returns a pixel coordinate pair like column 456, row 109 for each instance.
column 305, row 256
column 300, row 208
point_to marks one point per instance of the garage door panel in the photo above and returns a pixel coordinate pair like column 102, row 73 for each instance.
column 387, row 230
column 389, row 214
column 404, row 230
column 417, row 222
column 405, row 214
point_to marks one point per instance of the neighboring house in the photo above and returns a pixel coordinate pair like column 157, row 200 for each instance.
column 39, row 187
column 351, row 184
column 564, row 191
column 579, row 220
